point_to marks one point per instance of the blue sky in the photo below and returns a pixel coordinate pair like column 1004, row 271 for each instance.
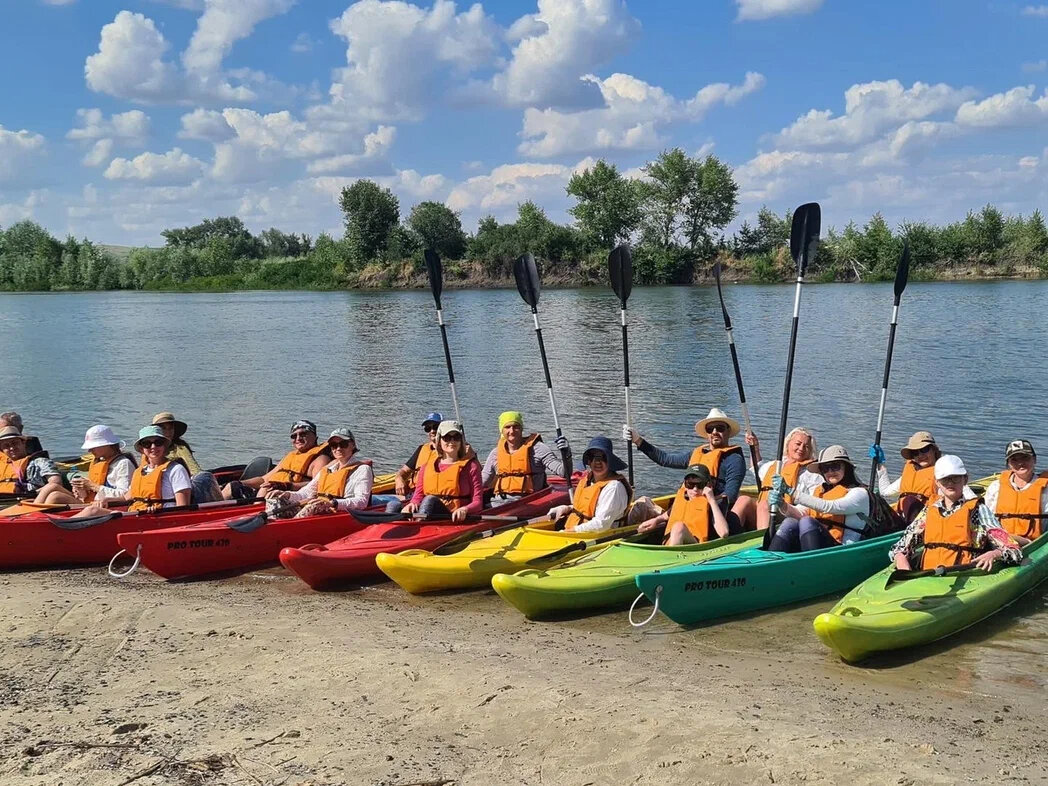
column 122, row 119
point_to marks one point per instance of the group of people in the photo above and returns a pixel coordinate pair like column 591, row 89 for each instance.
column 815, row 497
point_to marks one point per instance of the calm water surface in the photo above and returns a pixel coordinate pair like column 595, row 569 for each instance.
column 239, row 368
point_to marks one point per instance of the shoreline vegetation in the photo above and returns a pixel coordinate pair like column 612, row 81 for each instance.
column 674, row 218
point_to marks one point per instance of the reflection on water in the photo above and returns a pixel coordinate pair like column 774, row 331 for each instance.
column 241, row 367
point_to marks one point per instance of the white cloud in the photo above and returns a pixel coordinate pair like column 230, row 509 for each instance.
column 99, row 153
column 174, row 167
column 508, row 185
column 766, row 9
column 1015, row 108
column 303, row 43
column 223, row 23
column 59, row 2
column 633, row 114
column 19, row 152
column 1036, row 66
column 129, row 62
column 373, row 160
column 13, row 212
column 1036, row 10
column 126, row 128
column 207, row 125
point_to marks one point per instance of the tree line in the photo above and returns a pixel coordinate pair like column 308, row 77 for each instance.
column 674, row 217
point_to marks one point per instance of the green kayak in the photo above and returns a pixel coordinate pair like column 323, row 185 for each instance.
column 754, row 579
column 884, row 614
column 605, row 578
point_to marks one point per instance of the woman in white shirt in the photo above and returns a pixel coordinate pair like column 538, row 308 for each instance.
column 799, row 451
column 343, row 485
column 108, row 476
column 601, row 496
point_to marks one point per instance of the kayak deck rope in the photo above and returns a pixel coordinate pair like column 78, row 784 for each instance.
column 129, row 571
column 654, row 611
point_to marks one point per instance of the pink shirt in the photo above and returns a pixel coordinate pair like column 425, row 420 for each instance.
column 469, row 483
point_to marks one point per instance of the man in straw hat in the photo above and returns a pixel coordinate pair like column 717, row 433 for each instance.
column 1019, row 496
column 519, row 465
column 724, row 461
column 24, row 472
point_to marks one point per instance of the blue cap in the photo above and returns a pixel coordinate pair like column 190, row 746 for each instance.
column 432, row 417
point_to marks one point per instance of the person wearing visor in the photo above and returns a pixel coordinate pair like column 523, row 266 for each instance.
column 601, row 496
column 519, row 465
column 25, row 471
column 953, row 530
column 449, row 481
column 109, row 474
column 1019, row 496
column 407, row 475
column 724, row 461
column 344, row 484
column 694, row 516
column 298, row 467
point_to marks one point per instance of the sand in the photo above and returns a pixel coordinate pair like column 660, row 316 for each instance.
column 258, row 680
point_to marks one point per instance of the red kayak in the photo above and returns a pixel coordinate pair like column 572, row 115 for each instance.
column 353, row 557
column 43, row 539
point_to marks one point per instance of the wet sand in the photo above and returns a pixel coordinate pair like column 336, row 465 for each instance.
column 258, row 680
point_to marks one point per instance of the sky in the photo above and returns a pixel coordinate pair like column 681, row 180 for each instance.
column 121, row 119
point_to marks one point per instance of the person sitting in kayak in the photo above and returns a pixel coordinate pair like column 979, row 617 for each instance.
column 799, row 452
column 916, row 485
column 519, row 465
column 449, row 482
column 108, row 476
column 724, row 461
column 205, row 487
column 298, row 467
column 694, row 516
column 25, row 471
column 953, row 530
column 833, row 513
column 342, row 485
column 1019, row 496
column 407, row 475
column 601, row 496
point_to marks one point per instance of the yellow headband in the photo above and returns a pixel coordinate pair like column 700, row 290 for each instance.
column 510, row 417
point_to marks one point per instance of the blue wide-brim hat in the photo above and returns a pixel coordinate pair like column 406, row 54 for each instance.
column 603, row 444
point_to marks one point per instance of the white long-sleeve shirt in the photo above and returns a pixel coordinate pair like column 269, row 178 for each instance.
column 118, row 479
column 611, row 506
column 993, row 491
column 856, row 501
column 807, row 481
column 355, row 495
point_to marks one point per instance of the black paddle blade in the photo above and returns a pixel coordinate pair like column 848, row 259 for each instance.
column 724, row 310
column 436, row 273
column 620, row 266
column 902, row 273
column 529, row 285
column 804, row 235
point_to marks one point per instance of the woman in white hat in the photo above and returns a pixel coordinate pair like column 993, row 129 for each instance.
column 829, row 515
column 1019, row 496
column 108, row 476
column 449, row 482
column 724, row 461
column 25, row 472
column 344, row 484
column 953, row 530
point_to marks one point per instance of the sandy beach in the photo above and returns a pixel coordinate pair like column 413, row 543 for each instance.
column 258, row 680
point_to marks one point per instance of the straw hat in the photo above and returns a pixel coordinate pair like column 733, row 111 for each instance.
column 717, row 416
column 832, row 453
column 167, row 417
column 920, row 439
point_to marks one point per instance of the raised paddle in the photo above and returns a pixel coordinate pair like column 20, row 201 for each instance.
column 738, row 375
column 529, row 285
column 804, row 242
column 436, row 283
column 902, row 275
column 620, row 268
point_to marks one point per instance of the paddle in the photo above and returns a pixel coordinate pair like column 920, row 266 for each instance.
column 469, row 537
column 620, row 268
column 529, row 285
column 804, row 242
column 738, row 375
column 581, row 545
column 436, row 284
column 942, row 570
column 902, row 274
column 83, row 523
column 376, row 517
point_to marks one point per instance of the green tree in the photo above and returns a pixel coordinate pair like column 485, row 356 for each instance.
column 607, row 206
column 370, row 213
column 664, row 196
column 439, row 228
column 711, row 202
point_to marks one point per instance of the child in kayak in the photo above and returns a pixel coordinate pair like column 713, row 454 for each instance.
column 953, row 530
column 108, row 476
column 601, row 496
column 343, row 485
column 695, row 516
column 1019, row 497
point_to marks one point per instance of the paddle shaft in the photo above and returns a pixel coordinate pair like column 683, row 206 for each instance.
column 780, row 443
column 447, row 360
column 565, row 455
column 884, row 386
column 626, row 385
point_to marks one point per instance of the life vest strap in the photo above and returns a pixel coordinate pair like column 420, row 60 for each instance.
column 953, row 547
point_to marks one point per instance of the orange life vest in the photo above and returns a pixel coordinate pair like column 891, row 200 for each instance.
column 426, row 453
column 333, row 479
column 695, row 514
column 918, row 482
column 790, row 473
column 99, row 471
column 711, row 458
column 834, row 522
column 587, row 493
column 1016, row 510
column 146, row 489
column 10, row 483
column 293, row 468
column 948, row 539
column 444, row 483
column 513, row 470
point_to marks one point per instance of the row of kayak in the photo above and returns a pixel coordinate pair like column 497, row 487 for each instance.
column 539, row 570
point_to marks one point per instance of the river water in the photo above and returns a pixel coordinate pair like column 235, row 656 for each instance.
column 241, row 367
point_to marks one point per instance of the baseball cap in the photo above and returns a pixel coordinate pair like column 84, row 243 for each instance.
column 1017, row 447
column 949, row 465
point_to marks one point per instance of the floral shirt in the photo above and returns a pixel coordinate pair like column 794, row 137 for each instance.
column 987, row 533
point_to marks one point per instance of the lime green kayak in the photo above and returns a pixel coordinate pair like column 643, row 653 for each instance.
column 881, row 614
column 605, row 578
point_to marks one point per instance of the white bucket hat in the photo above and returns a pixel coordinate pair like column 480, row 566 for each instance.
column 100, row 436
column 717, row 416
column 948, row 466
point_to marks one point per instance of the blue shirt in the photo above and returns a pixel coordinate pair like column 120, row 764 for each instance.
column 730, row 474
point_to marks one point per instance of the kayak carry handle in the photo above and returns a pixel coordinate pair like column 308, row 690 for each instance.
column 654, row 611
column 129, row 571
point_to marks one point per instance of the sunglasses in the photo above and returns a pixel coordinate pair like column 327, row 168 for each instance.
column 153, row 443
column 338, row 445
column 925, row 449
column 951, row 480
column 429, row 428
column 300, row 436
column 833, row 466
column 453, row 436
column 723, row 427
column 692, row 483
column 596, row 458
